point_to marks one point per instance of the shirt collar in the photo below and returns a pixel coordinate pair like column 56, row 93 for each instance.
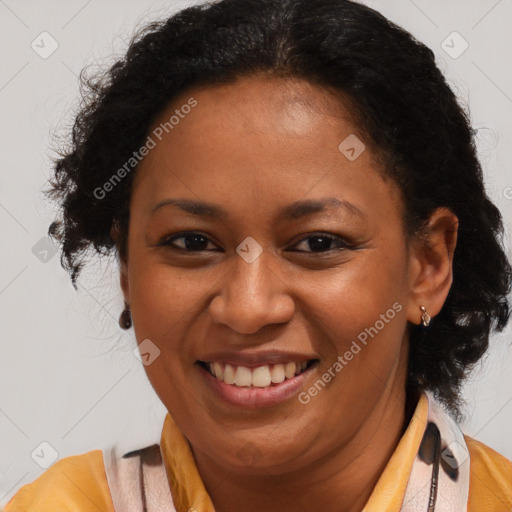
column 389, row 492
column 189, row 493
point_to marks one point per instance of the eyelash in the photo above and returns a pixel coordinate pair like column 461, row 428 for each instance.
column 342, row 244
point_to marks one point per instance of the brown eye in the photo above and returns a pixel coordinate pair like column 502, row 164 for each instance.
column 192, row 242
column 322, row 242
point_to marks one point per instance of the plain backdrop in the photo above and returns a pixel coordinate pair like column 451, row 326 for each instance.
column 68, row 375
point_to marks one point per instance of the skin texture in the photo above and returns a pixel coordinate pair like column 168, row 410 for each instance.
column 254, row 147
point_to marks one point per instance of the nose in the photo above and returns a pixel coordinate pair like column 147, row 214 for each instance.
column 251, row 296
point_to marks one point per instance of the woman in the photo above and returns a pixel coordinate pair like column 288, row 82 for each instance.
column 308, row 258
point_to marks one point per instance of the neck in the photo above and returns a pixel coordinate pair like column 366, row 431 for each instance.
column 346, row 476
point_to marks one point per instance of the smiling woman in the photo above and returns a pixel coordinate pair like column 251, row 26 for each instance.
column 311, row 252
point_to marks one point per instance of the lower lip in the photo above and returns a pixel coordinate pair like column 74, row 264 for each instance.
column 253, row 397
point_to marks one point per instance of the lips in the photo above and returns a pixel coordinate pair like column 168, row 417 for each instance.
column 243, row 395
column 256, row 379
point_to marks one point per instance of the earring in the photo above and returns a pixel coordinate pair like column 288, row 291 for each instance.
column 125, row 320
column 425, row 317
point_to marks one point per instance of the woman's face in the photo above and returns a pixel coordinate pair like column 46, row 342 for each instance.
column 273, row 278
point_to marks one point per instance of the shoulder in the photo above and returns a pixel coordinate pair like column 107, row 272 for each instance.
column 490, row 479
column 73, row 483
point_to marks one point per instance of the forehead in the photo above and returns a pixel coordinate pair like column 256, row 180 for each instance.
column 250, row 111
column 259, row 139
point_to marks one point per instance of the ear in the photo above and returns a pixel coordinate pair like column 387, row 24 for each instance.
column 430, row 265
column 123, row 264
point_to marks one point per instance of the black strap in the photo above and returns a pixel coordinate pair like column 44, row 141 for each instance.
column 430, row 453
column 142, row 484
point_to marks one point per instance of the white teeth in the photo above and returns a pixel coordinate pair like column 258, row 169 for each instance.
column 260, row 377
column 243, row 376
column 217, row 369
column 229, row 374
column 289, row 370
column 277, row 373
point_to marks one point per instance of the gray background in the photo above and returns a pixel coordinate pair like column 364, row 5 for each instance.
column 68, row 374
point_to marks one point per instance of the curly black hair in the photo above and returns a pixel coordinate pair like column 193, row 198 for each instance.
column 402, row 104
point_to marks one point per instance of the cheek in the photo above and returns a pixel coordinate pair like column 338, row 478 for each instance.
column 363, row 318
column 363, row 310
column 162, row 296
column 368, row 286
column 164, row 302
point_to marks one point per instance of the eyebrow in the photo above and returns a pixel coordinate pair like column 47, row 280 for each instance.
column 293, row 211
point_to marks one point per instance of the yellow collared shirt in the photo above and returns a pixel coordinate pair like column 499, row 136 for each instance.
column 78, row 483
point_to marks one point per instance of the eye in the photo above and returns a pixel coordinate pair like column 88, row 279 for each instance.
column 198, row 242
column 321, row 242
column 192, row 242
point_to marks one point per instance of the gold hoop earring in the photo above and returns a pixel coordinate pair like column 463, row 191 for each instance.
column 425, row 317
